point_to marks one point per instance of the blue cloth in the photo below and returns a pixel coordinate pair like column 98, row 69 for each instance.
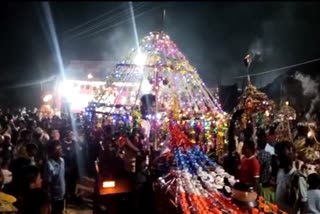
column 269, row 149
column 55, row 176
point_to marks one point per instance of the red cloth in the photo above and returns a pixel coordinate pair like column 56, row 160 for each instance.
column 271, row 138
column 249, row 170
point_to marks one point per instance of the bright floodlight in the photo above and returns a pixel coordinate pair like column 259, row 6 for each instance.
column 47, row 98
column 140, row 59
column 146, row 87
column 90, row 76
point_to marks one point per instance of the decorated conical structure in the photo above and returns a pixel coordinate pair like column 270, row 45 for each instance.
column 157, row 68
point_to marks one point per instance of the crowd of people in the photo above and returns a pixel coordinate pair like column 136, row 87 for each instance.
column 40, row 160
column 43, row 157
column 273, row 169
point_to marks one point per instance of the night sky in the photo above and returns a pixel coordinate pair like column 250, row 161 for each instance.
column 214, row 36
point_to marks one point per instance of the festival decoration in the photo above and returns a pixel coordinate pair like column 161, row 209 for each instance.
column 284, row 116
column 46, row 110
column 194, row 185
column 257, row 107
column 198, row 184
column 157, row 68
column 310, row 152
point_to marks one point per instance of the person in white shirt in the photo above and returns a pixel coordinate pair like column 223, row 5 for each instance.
column 291, row 191
column 313, row 204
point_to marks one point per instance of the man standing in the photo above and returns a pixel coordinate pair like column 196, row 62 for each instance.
column 70, row 151
column 250, row 167
column 291, row 192
column 54, row 177
column 264, row 158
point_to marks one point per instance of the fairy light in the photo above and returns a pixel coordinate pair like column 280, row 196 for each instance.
column 157, row 51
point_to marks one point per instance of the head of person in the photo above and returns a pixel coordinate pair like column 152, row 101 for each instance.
column 55, row 135
column 32, row 177
column 286, row 154
column 26, row 135
column 38, row 132
column 44, row 138
column 31, row 149
column 55, row 150
column 69, row 135
column 248, row 148
column 31, row 124
column 22, row 124
column 7, row 138
column 314, row 181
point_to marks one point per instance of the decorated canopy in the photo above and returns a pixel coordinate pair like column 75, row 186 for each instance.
column 286, row 112
column 158, row 68
column 255, row 104
column 284, row 116
column 159, row 80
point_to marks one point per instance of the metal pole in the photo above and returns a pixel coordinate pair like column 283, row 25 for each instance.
column 156, row 96
column 248, row 76
column 248, row 69
column 289, row 129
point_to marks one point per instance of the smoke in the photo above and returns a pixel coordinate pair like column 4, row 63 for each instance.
column 311, row 89
column 116, row 45
column 256, row 48
column 262, row 50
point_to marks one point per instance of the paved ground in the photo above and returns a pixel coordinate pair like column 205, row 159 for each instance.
column 78, row 211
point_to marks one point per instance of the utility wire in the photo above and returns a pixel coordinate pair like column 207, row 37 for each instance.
column 30, row 83
column 117, row 24
column 279, row 69
column 93, row 19
column 110, row 20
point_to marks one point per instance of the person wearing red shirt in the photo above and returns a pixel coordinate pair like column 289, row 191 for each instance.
column 250, row 166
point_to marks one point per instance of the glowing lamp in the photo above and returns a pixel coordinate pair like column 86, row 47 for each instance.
column 108, row 184
column 287, row 103
column 267, row 113
column 90, row 76
column 310, row 134
column 140, row 59
column 47, row 98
